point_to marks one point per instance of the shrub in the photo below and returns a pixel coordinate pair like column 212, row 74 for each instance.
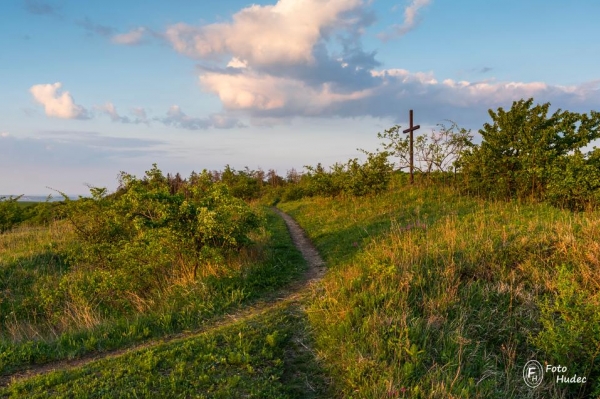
column 132, row 245
column 11, row 213
column 521, row 148
column 575, row 182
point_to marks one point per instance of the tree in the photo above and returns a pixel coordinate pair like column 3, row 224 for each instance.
column 438, row 151
column 520, row 147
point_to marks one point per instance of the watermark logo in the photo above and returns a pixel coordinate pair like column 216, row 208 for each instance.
column 533, row 373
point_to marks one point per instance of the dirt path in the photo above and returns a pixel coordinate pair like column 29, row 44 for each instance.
column 293, row 292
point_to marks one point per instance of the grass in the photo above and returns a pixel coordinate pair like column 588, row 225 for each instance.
column 261, row 357
column 431, row 294
column 31, row 265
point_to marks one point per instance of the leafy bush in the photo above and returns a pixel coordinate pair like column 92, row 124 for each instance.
column 351, row 178
column 132, row 245
column 522, row 148
column 575, row 182
column 10, row 213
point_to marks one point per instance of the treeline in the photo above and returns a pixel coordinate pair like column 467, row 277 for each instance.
column 349, row 178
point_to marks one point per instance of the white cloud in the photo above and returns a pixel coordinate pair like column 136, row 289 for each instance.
column 237, row 63
column 410, row 19
column 284, row 33
column 132, row 37
column 177, row 118
column 4, row 134
column 110, row 110
column 56, row 104
column 256, row 92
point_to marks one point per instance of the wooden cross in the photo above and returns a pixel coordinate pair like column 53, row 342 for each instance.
column 411, row 129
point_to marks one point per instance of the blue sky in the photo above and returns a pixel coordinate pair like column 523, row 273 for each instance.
column 93, row 88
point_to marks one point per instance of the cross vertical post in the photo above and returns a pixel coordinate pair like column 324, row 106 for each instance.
column 410, row 130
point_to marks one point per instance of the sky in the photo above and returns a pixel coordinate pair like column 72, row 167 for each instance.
column 90, row 89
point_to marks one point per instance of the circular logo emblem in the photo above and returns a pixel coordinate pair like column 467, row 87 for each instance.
column 533, row 373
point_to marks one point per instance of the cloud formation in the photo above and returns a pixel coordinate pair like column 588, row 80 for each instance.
column 177, row 118
column 282, row 34
column 39, row 7
column 410, row 20
column 94, row 28
column 109, row 109
column 57, row 104
column 133, row 37
column 304, row 58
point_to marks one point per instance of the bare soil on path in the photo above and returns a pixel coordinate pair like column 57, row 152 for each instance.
column 291, row 293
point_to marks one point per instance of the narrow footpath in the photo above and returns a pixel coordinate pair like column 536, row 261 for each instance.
column 291, row 293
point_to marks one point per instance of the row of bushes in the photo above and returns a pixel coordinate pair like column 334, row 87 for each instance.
column 13, row 212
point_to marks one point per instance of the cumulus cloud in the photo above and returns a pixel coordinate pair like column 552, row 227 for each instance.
column 111, row 111
column 177, row 118
column 410, row 20
column 275, row 95
column 57, row 104
column 133, row 37
column 284, row 33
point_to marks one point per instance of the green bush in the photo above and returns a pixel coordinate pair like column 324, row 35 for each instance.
column 351, row 178
column 575, row 182
column 522, row 148
column 132, row 245
column 11, row 213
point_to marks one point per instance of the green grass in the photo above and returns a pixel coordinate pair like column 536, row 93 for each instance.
column 31, row 264
column 431, row 294
column 262, row 357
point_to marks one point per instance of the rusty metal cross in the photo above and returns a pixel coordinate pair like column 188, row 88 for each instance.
column 411, row 129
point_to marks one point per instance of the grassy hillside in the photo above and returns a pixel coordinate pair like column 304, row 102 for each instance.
column 429, row 294
column 36, row 327
column 434, row 295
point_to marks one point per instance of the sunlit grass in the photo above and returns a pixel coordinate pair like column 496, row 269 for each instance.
column 433, row 294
